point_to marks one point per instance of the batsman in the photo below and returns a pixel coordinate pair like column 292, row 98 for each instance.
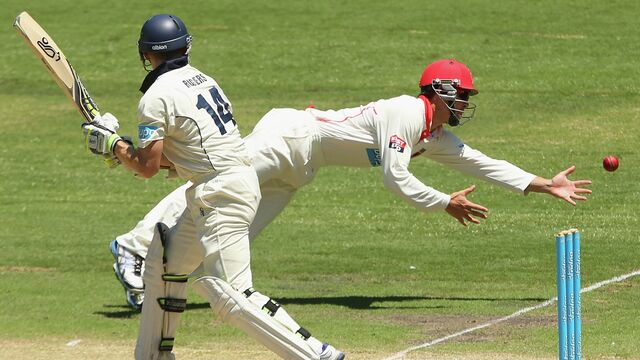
column 186, row 123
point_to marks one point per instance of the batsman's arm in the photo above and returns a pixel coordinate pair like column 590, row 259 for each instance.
column 165, row 163
column 143, row 161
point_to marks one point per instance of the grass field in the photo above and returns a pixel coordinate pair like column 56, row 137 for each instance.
column 357, row 266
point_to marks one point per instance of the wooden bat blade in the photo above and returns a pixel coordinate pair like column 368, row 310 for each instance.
column 57, row 64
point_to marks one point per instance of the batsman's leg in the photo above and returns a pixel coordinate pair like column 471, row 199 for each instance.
column 275, row 197
column 172, row 255
column 227, row 269
column 234, row 309
column 279, row 314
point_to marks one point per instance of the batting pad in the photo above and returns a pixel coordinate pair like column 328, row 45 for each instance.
column 234, row 309
column 164, row 302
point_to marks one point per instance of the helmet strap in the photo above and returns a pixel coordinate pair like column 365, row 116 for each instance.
column 453, row 120
column 145, row 62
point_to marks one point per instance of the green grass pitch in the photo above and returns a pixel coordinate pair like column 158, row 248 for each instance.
column 358, row 267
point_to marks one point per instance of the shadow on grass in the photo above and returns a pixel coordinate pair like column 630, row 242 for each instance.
column 352, row 302
column 367, row 302
column 118, row 312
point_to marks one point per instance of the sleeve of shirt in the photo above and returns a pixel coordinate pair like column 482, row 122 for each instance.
column 451, row 151
column 152, row 115
column 394, row 137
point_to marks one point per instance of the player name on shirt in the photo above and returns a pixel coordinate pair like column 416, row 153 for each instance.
column 196, row 80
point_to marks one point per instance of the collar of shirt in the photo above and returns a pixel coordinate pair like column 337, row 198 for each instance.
column 428, row 116
column 161, row 69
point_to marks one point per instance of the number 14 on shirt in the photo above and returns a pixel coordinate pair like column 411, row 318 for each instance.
column 221, row 114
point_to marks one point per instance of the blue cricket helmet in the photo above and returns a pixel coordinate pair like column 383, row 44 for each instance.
column 163, row 33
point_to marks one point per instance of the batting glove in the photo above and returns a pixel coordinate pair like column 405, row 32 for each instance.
column 107, row 121
column 111, row 160
column 99, row 140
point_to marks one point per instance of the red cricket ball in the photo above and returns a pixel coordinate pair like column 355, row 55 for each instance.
column 610, row 163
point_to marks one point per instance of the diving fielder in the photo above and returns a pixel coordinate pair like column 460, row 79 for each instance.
column 185, row 122
column 288, row 147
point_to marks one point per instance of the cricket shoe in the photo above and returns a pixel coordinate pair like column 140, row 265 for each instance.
column 128, row 267
column 135, row 298
column 330, row 353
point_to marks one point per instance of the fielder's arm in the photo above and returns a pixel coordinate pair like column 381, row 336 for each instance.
column 561, row 187
column 451, row 151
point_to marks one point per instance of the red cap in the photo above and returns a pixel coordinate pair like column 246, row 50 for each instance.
column 449, row 69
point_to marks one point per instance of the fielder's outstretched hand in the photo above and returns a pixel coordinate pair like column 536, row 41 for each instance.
column 464, row 210
column 566, row 189
column 561, row 187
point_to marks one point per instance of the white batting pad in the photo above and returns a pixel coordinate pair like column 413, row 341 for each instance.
column 234, row 309
column 156, row 323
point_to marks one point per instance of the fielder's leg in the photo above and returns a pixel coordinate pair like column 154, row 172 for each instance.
column 281, row 148
column 130, row 249
column 128, row 268
column 167, row 211
column 275, row 197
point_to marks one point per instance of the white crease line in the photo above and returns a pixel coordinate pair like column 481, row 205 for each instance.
column 595, row 286
column 73, row 343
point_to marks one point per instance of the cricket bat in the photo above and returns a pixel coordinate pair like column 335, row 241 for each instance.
column 57, row 64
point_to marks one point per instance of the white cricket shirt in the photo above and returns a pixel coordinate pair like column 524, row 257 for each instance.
column 190, row 112
column 387, row 133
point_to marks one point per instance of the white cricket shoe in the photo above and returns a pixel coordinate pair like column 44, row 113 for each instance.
column 330, row 353
column 135, row 298
column 128, row 267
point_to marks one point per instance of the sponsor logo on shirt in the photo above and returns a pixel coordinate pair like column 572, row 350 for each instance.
column 396, row 143
column 374, row 156
column 145, row 131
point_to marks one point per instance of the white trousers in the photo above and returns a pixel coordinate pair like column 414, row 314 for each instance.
column 283, row 156
column 213, row 230
column 167, row 211
column 275, row 197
